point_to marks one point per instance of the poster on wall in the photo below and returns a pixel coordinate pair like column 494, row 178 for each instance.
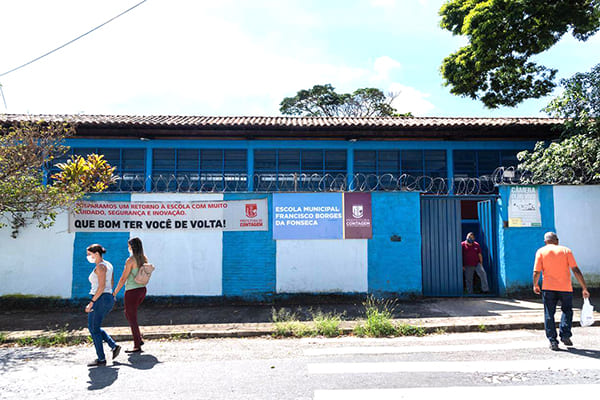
column 166, row 216
column 307, row 216
column 358, row 223
column 524, row 207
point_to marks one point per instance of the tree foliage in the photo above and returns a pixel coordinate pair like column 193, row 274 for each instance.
column 495, row 66
column 25, row 149
column 575, row 158
column 323, row 101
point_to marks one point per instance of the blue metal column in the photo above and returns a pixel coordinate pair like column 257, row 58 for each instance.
column 148, row 186
column 450, row 171
column 250, row 169
column 350, row 168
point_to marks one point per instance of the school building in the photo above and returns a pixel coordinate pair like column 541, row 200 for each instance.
column 424, row 183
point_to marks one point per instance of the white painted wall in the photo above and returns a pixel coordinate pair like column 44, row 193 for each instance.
column 577, row 219
column 39, row 261
column 321, row 266
column 187, row 263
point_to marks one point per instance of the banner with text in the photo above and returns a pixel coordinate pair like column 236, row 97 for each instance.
column 307, row 216
column 115, row 216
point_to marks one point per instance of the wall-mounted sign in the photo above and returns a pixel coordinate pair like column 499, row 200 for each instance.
column 358, row 223
column 115, row 216
column 524, row 207
column 307, row 216
column 322, row 216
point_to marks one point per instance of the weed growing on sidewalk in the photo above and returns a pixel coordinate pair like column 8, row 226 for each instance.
column 327, row 324
column 288, row 325
column 61, row 337
column 410, row 330
column 3, row 337
column 379, row 318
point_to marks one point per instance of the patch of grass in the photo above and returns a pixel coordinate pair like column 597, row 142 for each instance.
column 482, row 328
column 379, row 318
column 440, row 331
column 3, row 337
column 180, row 336
column 410, row 330
column 288, row 325
column 327, row 324
column 293, row 329
column 61, row 337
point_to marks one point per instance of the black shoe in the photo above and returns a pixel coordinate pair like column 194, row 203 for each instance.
column 554, row 346
column 97, row 363
column 116, row 351
column 133, row 351
column 567, row 341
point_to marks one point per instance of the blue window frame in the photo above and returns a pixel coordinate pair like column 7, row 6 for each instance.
column 199, row 170
column 383, row 168
column 298, row 169
column 478, row 163
column 130, row 165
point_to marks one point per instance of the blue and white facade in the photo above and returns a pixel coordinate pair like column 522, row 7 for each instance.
column 202, row 159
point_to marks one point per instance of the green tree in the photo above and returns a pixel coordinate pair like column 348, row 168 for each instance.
column 25, row 149
column 323, row 101
column 495, row 66
column 575, row 157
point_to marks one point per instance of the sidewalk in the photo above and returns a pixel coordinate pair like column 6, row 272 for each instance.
column 222, row 321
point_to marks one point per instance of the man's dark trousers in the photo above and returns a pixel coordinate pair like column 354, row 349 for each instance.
column 551, row 299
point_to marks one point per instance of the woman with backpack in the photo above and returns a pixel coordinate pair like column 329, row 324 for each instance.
column 135, row 289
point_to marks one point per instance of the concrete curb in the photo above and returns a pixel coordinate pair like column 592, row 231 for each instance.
column 262, row 330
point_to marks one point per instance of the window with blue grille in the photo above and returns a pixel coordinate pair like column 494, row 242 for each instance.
column 294, row 169
column 478, row 163
column 199, row 170
column 384, row 169
column 130, row 165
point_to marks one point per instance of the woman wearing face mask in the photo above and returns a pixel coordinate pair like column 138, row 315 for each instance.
column 134, row 292
column 101, row 303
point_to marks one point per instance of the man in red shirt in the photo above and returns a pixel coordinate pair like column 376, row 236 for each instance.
column 473, row 262
column 555, row 264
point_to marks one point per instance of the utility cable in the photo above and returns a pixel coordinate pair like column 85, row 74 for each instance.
column 74, row 40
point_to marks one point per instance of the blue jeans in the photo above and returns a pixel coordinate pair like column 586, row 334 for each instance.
column 101, row 307
column 551, row 299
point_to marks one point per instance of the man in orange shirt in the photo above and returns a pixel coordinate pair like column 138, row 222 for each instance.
column 555, row 264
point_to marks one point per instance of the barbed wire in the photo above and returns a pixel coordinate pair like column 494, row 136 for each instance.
column 297, row 182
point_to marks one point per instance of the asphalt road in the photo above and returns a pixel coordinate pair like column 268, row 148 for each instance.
column 489, row 365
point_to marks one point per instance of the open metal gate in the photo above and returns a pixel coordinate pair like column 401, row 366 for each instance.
column 441, row 253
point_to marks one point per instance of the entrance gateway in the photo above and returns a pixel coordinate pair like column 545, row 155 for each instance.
column 445, row 221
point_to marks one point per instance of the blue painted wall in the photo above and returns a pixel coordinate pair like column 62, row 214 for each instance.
column 114, row 242
column 395, row 267
column 517, row 246
column 249, row 258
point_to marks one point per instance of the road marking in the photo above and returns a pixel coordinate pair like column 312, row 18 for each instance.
column 487, row 392
column 454, row 366
column 424, row 349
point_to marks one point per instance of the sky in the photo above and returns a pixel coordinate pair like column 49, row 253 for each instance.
column 238, row 58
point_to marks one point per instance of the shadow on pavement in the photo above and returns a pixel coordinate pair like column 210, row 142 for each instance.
column 584, row 352
column 101, row 377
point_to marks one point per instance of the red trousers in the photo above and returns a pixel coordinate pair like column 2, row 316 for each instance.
column 133, row 299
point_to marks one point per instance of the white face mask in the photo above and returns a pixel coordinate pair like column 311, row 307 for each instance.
column 91, row 259
column 130, row 252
